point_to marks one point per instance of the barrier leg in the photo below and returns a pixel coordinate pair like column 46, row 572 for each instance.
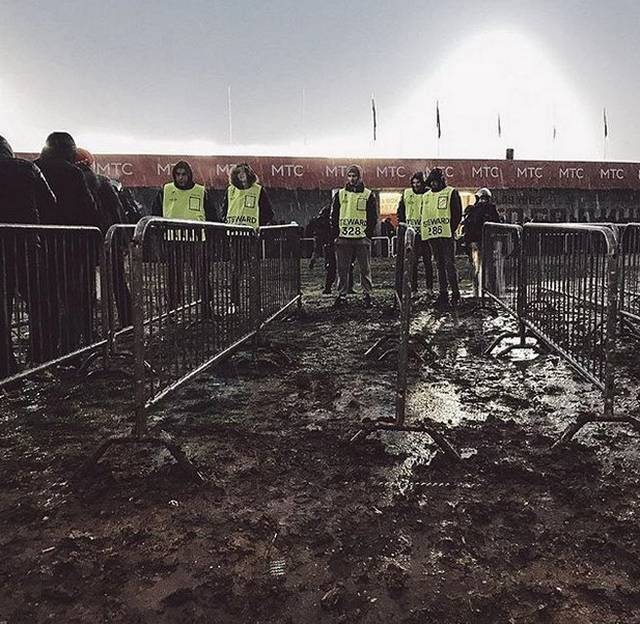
column 162, row 439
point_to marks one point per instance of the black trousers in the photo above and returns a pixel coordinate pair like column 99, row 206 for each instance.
column 443, row 252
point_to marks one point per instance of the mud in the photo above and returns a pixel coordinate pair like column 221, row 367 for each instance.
column 298, row 524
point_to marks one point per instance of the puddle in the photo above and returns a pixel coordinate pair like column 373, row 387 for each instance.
column 439, row 402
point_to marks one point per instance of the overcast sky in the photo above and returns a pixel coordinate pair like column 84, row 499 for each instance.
column 150, row 76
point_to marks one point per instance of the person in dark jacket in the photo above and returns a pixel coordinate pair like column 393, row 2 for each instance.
column 246, row 201
column 353, row 219
column 24, row 194
column 110, row 212
column 106, row 199
column 325, row 246
column 75, row 205
column 410, row 212
column 441, row 215
column 73, row 258
column 483, row 211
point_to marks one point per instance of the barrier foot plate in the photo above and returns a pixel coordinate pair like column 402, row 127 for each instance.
column 583, row 420
column 161, row 438
column 380, row 425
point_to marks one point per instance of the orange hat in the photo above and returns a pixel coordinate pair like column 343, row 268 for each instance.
column 84, row 157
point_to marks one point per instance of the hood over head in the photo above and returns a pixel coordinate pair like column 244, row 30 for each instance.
column 437, row 176
column 60, row 146
column 183, row 164
column 252, row 178
column 5, row 149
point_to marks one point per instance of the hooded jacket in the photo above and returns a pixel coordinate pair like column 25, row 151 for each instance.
column 24, row 192
column 75, row 204
column 265, row 211
column 479, row 214
column 372, row 210
column 209, row 206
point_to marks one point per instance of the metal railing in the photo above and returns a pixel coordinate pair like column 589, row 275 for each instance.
column 51, row 308
column 567, row 296
column 280, row 281
column 405, row 260
column 570, row 286
column 118, row 283
column 200, row 291
column 630, row 277
column 500, row 266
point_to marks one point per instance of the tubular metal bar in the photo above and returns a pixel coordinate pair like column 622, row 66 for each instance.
column 118, row 282
column 200, row 291
column 405, row 260
column 50, row 300
column 630, row 277
column 570, row 287
column 501, row 279
column 279, row 272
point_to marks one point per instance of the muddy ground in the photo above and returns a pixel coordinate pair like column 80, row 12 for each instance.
column 298, row 524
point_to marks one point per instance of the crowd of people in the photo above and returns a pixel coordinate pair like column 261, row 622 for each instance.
column 61, row 188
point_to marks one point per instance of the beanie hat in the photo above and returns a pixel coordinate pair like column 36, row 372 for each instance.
column 84, row 157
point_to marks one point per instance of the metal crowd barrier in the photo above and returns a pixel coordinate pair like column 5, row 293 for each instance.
column 630, row 277
column 570, row 301
column 51, row 309
column 500, row 279
column 199, row 292
column 280, row 282
column 118, row 283
column 404, row 268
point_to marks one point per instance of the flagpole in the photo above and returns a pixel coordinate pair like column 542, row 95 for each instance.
column 229, row 111
column 302, row 117
column 606, row 133
column 438, row 129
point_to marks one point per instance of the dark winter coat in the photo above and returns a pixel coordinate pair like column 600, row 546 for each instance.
column 108, row 204
column 479, row 214
column 372, row 210
column 75, row 204
column 24, row 192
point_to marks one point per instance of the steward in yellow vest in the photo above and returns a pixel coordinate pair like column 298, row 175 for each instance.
column 353, row 219
column 182, row 198
column 246, row 202
column 441, row 214
column 410, row 212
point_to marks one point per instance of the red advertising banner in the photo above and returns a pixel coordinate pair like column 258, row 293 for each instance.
column 328, row 173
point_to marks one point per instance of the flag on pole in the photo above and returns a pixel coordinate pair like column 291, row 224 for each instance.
column 438, row 119
column 375, row 122
column 499, row 126
column 604, row 119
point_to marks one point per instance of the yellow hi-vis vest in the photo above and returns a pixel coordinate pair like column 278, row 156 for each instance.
column 413, row 208
column 436, row 214
column 352, row 220
column 243, row 205
column 181, row 204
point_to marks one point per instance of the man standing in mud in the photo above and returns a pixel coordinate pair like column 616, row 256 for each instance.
column 353, row 218
column 441, row 214
column 410, row 212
